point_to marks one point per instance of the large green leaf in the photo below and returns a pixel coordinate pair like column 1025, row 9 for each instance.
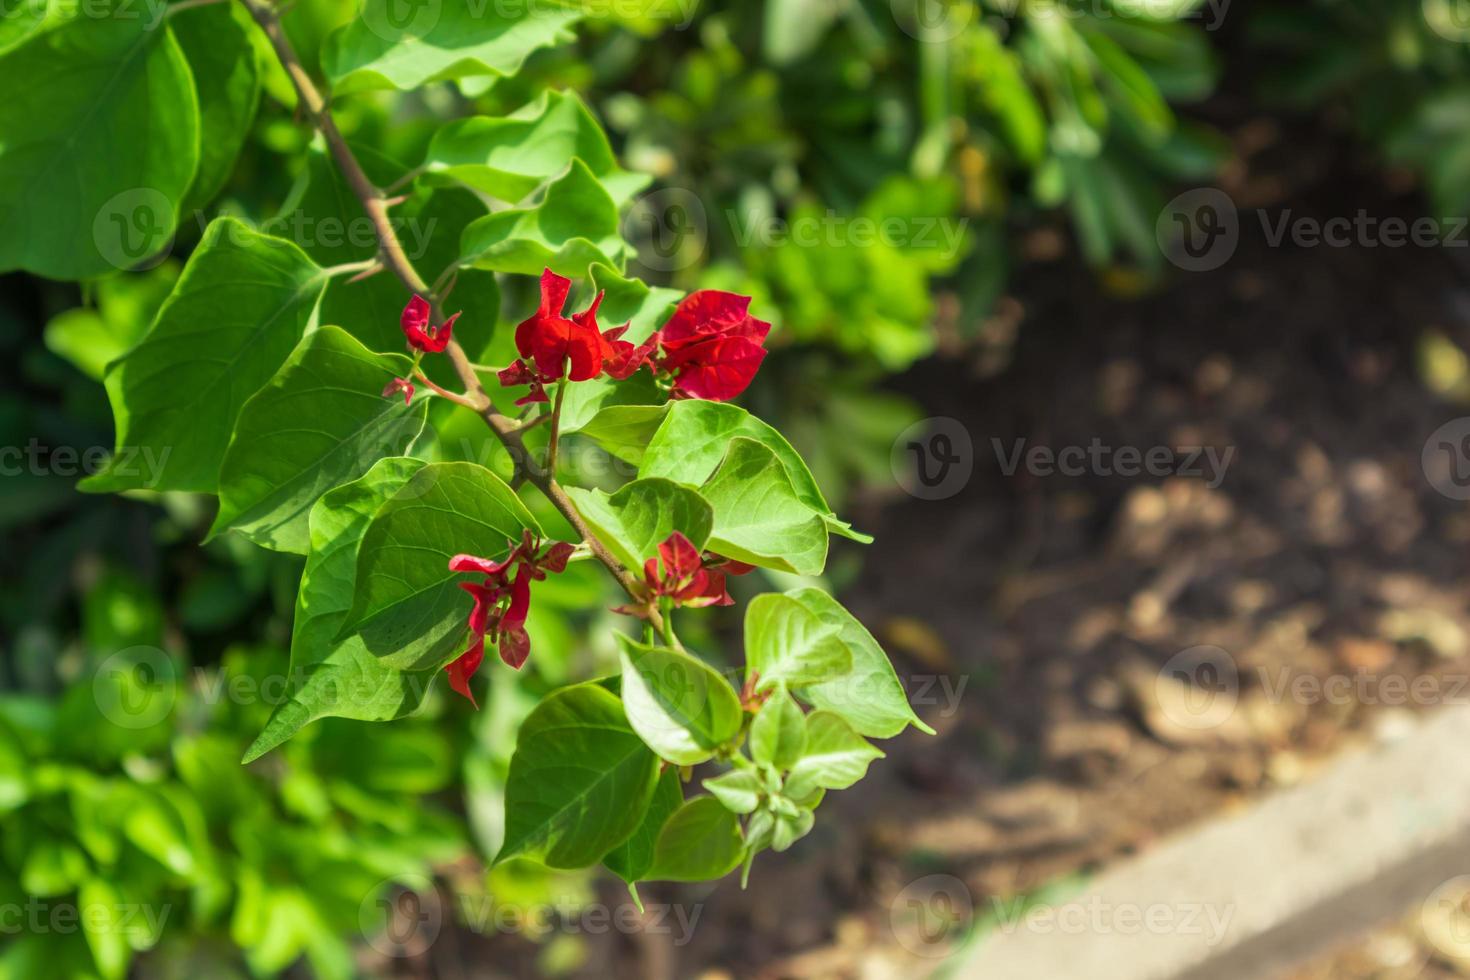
column 331, row 679
column 236, row 312
column 870, row 696
column 631, row 859
column 580, row 780
column 406, row 603
column 700, row 842
column 508, row 157
column 693, row 439
column 226, row 69
column 573, row 227
column 759, row 518
column 637, row 518
column 835, row 757
column 786, row 643
column 322, row 421
column 96, row 158
column 105, row 920
column 623, row 430
column 679, row 705
column 392, row 45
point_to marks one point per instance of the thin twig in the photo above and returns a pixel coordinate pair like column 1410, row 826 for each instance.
column 190, row 5
column 314, row 105
column 458, row 399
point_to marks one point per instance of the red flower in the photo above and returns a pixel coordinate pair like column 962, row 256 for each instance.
column 502, row 604
column 711, row 347
column 558, row 345
column 684, row 577
column 421, row 336
column 399, row 384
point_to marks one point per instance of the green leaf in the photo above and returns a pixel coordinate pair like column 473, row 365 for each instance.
column 574, row 226
column 97, row 157
column 406, row 604
column 580, row 780
column 239, row 307
column 380, row 48
column 624, row 430
column 226, row 69
column 508, row 157
column 631, row 859
column 694, row 437
column 340, row 679
column 759, row 519
column 679, row 705
column 700, row 842
column 739, row 790
column 870, row 696
column 790, row 827
column 836, row 756
column 104, row 917
column 786, row 643
column 778, row 732
column 636, row 519
column 322, row 421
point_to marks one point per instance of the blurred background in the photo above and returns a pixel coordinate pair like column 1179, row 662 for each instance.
column 1208, row 259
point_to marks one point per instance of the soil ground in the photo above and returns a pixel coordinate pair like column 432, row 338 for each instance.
column 1031, row 614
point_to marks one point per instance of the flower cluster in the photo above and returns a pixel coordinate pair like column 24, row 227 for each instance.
column 681, row 574
column 709, row 348
column 421, row 337
column 502, row 603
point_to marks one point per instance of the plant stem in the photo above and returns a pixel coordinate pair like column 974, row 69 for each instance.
column 374, row 203
column 458, row 399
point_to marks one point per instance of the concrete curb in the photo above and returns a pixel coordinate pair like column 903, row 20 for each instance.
column 1256, row 893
